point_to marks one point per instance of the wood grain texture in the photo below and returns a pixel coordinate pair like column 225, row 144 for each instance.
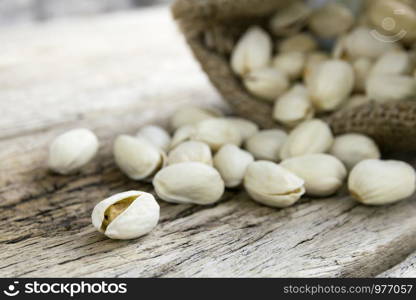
column 113, row 75
column 405, row 269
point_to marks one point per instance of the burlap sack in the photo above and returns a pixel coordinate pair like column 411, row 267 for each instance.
column 212, row 27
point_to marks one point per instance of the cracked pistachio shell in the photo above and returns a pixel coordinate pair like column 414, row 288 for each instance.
column 216, row 133
column 378, row 182
column 136, row 157
column 156, row 135
column 352, row 148
column 266, row 144
column 313, row 136
column 293, row 107
column 72, row 150
column 246, row 127
column 362, row 67
column 385, row 88
column 301, row 42
column 323, row 174
column 362, row 42
column 291, row 19
column 393, row 19
column 331, row 20
column 232, row 163
column 253, row 51
column 266, row 83
column 192, row 115
column 330, row 84
column 127, row 215
column 190, row 151
column 273, row 185
column 394, row 62
column 189, row 182
column 290, row 63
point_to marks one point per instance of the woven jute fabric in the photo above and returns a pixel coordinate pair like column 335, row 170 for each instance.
column 212, row 28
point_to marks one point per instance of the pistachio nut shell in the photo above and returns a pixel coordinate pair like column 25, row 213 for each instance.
column 190, row 151
column 301, row 42
column 271, row 184
column 189, row 182
column 138, row 219
column 137, row 157
column 72, row 150
column 377, row 182
column 216, row 133
column 293, row 107
column 385, row 88
column 290, row 19
column 323, row 174
column 192, row 115
column 232, row 163
column 331, row 20
column 156, row 135
column 266, row 83
column 352, row 148
column 331, row 84
column 253, row 51
column 266, row 144
column 246, row 127
column 313, row 136
column 290, row 63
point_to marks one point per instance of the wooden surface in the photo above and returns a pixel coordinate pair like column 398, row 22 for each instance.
column 113, row 74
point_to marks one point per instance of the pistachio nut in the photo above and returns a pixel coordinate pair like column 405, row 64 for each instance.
column 156, row 135
column 182, row 134
column 313, row 60
column 192, row 115
column 378, row 182
column 323, row 174
column 270, row 184
column 246, row 127
column 190, row 151
column 72, row 150
column 126, row 215
column 136, row 157
column 301, row 42
column 330, row 84
column 312, row 136
column 352, row 148
column 356, row 100
column 293, row 107
column 385, row 88
column 394, row 63
column 232, row 163
column 290, row 63
column 189, row 182
column 362, row 42
column 253, row 51
column 290, row 19
column 266, row 83
column 266, row 144
column 216, row 133
column 331, row 20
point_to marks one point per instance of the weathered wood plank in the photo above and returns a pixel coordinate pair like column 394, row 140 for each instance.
column 405, row 269
column 63, row 71
column 45, row 228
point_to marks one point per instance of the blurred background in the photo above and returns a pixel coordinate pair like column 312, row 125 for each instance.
column 14, row 12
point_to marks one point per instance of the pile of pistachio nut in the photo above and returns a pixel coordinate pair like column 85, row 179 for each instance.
column 312, row 61
column 209, row 152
